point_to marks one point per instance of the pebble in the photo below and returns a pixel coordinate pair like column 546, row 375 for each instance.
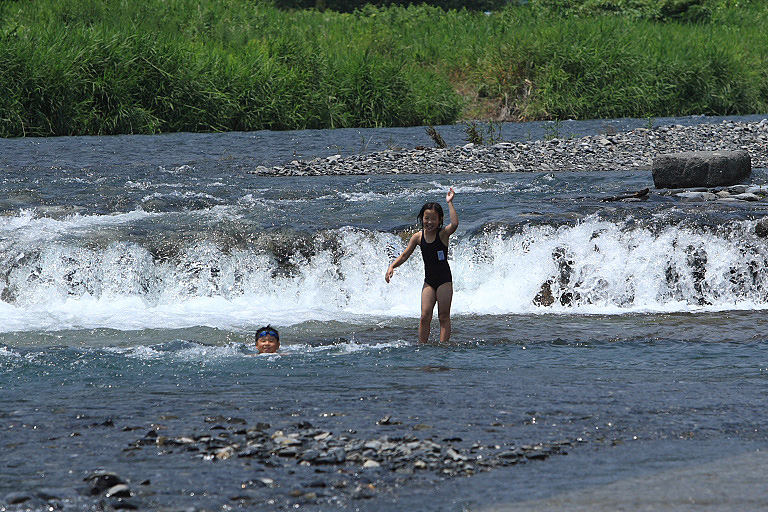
column 632, row 150
column 225, row 453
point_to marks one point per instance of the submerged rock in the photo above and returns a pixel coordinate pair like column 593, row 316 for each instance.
column 16, row 498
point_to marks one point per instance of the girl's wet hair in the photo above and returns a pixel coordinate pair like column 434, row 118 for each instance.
column 430, row 206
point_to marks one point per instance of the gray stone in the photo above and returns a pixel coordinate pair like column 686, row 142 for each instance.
column 746, row 196
column 697, row 196
column 701, row 169
column 737, row 189
column 511, row 454
column 118, row 491
column 310, row 455
column 288, row 451
column 761, row 228
column 337, row 454
column 100, row 481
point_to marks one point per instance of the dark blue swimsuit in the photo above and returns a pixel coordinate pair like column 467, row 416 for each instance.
column 436, row 268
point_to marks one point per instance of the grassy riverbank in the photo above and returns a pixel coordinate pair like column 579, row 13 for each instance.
column 97, row 67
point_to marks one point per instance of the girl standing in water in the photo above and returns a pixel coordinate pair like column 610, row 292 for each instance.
column 438, row 283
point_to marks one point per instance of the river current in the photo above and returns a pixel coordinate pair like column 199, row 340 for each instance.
column 135, row 271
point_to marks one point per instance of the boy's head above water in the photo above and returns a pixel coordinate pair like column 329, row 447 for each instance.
column 267, row 340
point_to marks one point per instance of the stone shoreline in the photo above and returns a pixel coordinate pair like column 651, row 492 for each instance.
column 626, row 151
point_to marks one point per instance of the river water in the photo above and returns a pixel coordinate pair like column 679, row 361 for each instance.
column 135, row 270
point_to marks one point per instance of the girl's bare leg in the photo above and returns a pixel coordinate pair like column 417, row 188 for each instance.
column 444, row 296
column 428, row 299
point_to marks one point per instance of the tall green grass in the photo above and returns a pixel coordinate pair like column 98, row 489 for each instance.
column 90, row 67
column 103, row 67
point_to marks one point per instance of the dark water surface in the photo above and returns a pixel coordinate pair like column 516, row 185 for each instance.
column 136, row 269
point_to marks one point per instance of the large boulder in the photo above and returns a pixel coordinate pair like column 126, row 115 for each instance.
column 701, row 169
column 761, row 228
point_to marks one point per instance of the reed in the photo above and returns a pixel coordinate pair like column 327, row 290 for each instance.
column 86, row 67
column 73, row 67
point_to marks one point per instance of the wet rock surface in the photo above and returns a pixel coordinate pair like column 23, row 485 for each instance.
column 633, row 150
column 734, row 193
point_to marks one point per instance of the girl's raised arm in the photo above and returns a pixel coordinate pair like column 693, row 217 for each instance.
column 451, row 228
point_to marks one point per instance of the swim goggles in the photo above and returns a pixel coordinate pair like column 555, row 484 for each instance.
column 267, row 332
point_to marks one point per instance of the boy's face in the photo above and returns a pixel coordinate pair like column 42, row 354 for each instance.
column 267, row 344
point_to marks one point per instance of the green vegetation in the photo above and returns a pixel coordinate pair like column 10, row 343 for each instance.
column 107, row 67
column 660, row 10
column 351, row 5
column 488, row 134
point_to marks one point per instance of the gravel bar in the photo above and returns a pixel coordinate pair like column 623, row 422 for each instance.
column 624, row 151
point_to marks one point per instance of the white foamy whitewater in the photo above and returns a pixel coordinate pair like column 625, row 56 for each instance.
column 288, row 252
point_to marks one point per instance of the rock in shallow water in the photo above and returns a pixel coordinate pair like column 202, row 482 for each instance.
column 746, row 196
column 118, row 491
column 697, row 196
column 761, row 229
column 701, row 169
column 101, row 481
